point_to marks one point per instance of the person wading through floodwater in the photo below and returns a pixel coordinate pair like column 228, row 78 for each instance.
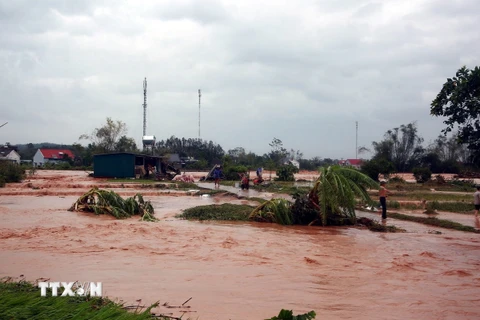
column 383, row 193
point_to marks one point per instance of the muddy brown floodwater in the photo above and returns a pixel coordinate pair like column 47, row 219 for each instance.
column 239, row 270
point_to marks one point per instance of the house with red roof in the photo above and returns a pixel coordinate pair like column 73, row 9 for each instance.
column 43, row 156
column 356, row 163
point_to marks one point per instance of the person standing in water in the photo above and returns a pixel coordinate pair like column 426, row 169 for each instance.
column 383, row 193
column 476, row 200
column 217, row 173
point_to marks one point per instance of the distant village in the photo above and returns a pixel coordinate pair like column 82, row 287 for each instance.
column 54, row 156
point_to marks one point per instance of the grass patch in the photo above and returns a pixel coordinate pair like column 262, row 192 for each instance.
column 378, row 227
column 124, row 180
column 454, row 185
column 21, row 300
column 259, row 200
column 226, row 211
column 459, row 207
column 284, row 187
column 432, row 196
column 432, row 221
column 213, row 192
column 228, row 183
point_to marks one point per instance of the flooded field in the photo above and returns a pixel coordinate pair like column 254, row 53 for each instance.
column 236, row 270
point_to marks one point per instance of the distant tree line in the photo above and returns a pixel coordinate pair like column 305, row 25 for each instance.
column 402, row 149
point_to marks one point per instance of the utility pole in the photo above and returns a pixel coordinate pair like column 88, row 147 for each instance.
column 199, row 97
column 356, row 140
column 145, row 107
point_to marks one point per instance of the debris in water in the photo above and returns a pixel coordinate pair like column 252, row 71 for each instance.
column 109, row 202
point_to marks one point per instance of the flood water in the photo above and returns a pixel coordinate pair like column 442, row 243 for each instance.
column 244, row 270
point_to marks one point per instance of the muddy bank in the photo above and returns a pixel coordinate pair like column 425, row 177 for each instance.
column 244, row 270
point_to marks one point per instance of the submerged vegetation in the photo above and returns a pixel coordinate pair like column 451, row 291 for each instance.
column 108, row 202
column 331, row 201
column 226, row 211
column 275, row 210
column 288, row 315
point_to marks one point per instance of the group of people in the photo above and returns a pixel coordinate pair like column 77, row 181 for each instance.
column 244, row 177
column 384, row 192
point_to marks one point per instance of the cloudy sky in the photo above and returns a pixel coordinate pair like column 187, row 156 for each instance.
column 302, row 71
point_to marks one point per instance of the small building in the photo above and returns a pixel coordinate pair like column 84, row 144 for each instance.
column 43, row 156
column 9, row 153
column 123, row 164
column 356, row 163
column 293, row 162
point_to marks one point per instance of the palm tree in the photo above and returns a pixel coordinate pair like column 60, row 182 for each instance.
column 335, row 192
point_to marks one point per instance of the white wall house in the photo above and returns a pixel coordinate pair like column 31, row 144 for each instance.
column 9, row 155
column 356, row 163
column 293, row 162
column 43, row 156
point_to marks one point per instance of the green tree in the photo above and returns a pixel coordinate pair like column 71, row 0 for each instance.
column 107, row 137
column 459, row 102
column 333, row 197
column 336, row 191
column 125, row 144
column 278, row 152
column 286, row 172
column 422, row 174
column 374, row 167
column 196, row 148
column 402, row 146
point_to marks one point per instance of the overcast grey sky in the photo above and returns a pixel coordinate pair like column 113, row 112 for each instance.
column 302, row 71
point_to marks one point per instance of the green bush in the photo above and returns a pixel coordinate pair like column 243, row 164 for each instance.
column 397, row 180
column 226, row 211
column 2, row 181
column 465, row 185
column 11, row 172
column 422, row 175
column 286, row 173
column 373, row 168
column 232, row 172
column 450, row 206
column 393, row 204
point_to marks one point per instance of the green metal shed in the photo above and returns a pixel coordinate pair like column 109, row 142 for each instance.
column 121, row 164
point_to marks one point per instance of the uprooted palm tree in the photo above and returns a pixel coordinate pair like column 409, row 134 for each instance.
column 331, row 201
column 335, row 193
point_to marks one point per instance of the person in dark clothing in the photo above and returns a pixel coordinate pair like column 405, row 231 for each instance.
column 217, row 174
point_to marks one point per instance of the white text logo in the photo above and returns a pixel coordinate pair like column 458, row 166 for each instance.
column 71, row 289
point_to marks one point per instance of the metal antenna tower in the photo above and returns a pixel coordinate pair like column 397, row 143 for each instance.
column 199, row 97
column 356, row 140
column 145, row 107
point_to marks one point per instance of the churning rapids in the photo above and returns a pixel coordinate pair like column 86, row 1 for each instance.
column 237, row 270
